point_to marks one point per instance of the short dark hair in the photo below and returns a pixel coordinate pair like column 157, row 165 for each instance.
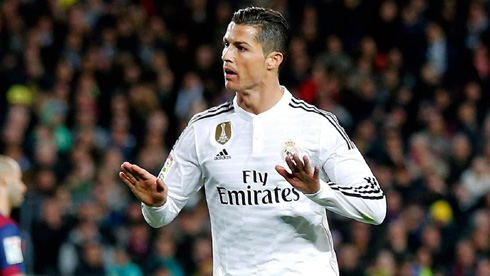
column 273, row 29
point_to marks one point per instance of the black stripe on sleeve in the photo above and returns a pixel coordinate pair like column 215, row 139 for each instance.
column 359, row 195
column 370, row 191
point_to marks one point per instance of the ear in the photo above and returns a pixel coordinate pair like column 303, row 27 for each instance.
column 274, row 60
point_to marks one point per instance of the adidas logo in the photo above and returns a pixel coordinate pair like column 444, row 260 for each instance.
column 222, row 155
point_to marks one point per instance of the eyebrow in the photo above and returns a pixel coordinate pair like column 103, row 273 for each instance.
column 238, row 42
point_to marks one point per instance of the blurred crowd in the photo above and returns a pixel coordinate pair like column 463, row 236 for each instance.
column 88, row 84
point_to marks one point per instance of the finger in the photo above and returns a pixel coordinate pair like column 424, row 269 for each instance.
column 126, row 181
column 126, row 167
column 129, row 169
column 290, row 164
column 129, row 174
column 298, row 162
column 307, row 165
column 316, row 174
column 124, row 177
column 283, row 172
column 139, row 172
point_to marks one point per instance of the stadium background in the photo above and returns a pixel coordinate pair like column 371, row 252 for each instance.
column 87, row 84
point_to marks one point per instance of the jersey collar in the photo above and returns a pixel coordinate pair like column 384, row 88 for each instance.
column 272, row 112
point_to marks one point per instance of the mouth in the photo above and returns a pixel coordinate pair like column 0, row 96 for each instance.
column 229, row 73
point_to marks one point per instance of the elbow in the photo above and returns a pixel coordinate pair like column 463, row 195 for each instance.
column 152, row 223
column 379, row 218
column 155, row 221
column 375, row 213
column 379, row 213
column 155, row 225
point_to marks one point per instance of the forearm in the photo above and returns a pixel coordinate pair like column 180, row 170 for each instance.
column 368, row 206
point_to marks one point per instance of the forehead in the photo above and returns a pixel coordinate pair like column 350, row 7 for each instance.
column 16, row 172
column 10, row 167
column 242, row 33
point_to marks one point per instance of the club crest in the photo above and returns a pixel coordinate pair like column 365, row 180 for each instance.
column 289, row 149
column 168, row 164
column 223, row 132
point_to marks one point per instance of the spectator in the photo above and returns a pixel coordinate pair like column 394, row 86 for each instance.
column 48, row 234
column 164, row 255
column 465, row 259
column 123, row 266
column 348, row 261
column 476, row 179
column 92, row 262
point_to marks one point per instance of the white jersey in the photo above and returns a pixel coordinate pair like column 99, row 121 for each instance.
column 260, row 224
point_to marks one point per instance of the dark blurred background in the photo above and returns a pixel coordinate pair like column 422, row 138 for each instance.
column 86, row 85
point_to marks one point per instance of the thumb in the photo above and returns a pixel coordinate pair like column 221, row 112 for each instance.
column 160, row 185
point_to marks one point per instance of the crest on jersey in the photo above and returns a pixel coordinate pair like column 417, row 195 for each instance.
column 289, row 149
column 13, row 250
column 168, row 164
column 223, row 132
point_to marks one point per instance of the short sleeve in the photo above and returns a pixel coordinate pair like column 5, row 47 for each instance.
column 11, row 256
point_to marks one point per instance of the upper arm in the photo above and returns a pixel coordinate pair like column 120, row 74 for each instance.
column 182, row 175
column 352, row 189
column 11, row 257
column 182, row 172
column 341, row 159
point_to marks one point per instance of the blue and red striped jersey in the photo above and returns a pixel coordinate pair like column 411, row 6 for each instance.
column 11, row 257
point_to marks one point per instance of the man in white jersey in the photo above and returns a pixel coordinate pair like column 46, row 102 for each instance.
column 270, row 164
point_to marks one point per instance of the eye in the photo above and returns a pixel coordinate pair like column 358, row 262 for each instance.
column 226, row 44
column 240, row 48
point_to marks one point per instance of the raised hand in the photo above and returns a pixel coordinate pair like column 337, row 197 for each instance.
column 301, row 176
column 149, row 189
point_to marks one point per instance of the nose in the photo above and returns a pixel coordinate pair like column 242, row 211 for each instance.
column 226, row 55
column 24, row 187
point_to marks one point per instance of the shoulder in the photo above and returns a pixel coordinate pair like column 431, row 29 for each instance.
column 212, row 112
column 320, row 118
column 203, row 120
column 312, row 112
column 9, row 230
column 6, row 222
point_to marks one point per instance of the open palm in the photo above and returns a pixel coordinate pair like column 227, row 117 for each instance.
column 149, row 189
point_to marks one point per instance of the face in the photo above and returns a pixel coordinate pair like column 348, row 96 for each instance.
column 244, row 64
column 16, row 188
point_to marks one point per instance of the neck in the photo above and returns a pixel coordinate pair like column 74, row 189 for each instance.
column 261, row 100
column 5, row 208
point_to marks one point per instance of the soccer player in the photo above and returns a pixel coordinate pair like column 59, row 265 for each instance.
column 270, row 165
column 12, row 191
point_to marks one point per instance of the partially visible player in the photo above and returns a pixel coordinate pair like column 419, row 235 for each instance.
column 12, row 191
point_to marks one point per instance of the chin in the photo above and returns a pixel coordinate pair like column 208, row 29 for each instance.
column 230, row 87
column 18, row 202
